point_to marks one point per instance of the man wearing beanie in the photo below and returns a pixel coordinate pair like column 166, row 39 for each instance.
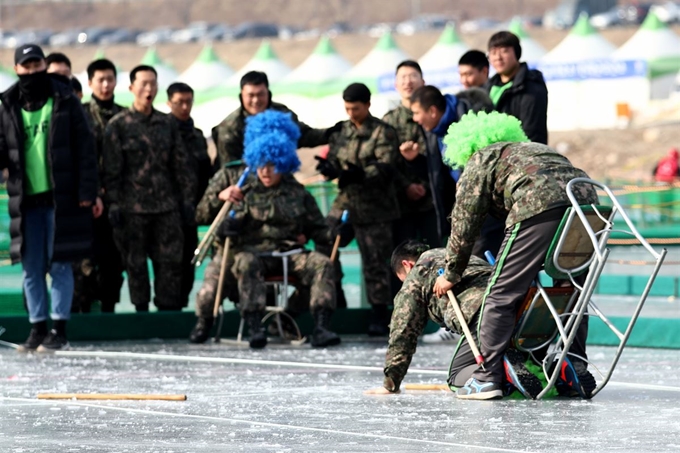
column 47, row 146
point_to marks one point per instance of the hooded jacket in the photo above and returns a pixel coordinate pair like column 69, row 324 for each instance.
column 73, row 169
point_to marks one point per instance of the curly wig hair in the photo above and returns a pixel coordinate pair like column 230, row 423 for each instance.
column 475, row 131
column 271, row 138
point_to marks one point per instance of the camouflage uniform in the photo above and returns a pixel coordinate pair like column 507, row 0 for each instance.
column 228, row 135
column 526, row 182
column 271, row 220
column 372, row 204
column 102, row 278
column 148, row 176
column 415, row 302
column 197, row 151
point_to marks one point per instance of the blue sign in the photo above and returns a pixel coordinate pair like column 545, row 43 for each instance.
column 594, row 69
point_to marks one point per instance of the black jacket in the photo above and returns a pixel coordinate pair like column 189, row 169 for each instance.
column 73, row 165
column 526, row 100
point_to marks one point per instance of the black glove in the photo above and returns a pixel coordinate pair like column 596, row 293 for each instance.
column 229, row 227
column 353, row 175
column 326, row 168
column 188, row 214
column 337, row 127
column 346, row 233
column 114, row 216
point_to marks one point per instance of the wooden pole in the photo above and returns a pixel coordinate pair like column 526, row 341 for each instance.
column 109, row 396
column 426, row 387
column 334, row 253
column 223, row 272
column 466, row 330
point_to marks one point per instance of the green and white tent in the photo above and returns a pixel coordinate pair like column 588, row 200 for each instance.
column 445, row 53
column 324, row 64
column 207, row 71
column 583, row 43
column 531, row 50
column 659, row 46
column 383, row 59
column 265, row 60
column 166, row 73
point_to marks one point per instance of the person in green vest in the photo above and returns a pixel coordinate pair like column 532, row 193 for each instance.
column 48, row 149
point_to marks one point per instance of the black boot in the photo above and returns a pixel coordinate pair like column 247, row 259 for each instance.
column 108, row 306
column 56, row 339
column 379, row 323
column 322, row 336
column 35, row 338
column 258, row 337
column 201, row 330
column 340, row 300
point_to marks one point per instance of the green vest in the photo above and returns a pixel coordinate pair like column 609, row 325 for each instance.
column 37, row 132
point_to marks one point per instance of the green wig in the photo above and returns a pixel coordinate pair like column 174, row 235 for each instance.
column 475, row 131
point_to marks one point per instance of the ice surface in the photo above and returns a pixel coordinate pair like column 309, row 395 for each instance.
column 259, row 408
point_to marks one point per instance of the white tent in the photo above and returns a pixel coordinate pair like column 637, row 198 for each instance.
column 322, row 65
column 265, row 60
column 445, row 53
column 659, row 46
column 583, row 43
column 207, row 71
column 166, row 73
column 383, row 59
column 531, row 50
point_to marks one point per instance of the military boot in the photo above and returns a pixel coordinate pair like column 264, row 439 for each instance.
column 35, row 338
column 201, row 330
column 379, row 321
column 322, row 336
column 258, row 337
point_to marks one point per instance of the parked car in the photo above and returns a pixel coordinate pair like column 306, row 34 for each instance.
column 93, row 35
column 194, row 32
column 65, row 38
column 338, row 28
column 668, row 12
column 255, row 30
column 155, row 36
column 621, row 15
column 566, row 13
column 12, row 40
column 218, row 32
column 121, row 35
column 475, row 25
column 421, row 23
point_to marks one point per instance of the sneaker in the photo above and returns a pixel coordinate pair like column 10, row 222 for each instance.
column 517, row 374
column 575, row 380
column 35, row 338
column 443, row 335
column 54, row 341
column 478, row 390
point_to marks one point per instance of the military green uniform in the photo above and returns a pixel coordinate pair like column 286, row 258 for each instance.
column 197, row 151
column 526, row 182
column 271, row 219
column 229, row 134
column 416, row 302
column 101, row 278
column 372, row 203
column 148, row 176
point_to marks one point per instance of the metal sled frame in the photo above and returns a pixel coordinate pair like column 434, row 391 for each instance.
column 280, row 285
column 567, row 316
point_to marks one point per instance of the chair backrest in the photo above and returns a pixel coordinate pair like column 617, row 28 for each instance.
column 572, row 250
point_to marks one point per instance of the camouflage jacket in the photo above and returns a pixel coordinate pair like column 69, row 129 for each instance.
column 373, row 147
column 146, row 169
column 416, row 171
column 98, row 117
column 197, row 151
column 269, row 218
column 229, row 134
column 520, row 180
column 415, row 302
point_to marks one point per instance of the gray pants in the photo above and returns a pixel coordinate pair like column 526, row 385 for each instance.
column 520, row 259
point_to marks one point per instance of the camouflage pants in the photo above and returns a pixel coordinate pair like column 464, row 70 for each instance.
column 159, row 237
column 205, row 299
column 375, row 246
column 310, row 269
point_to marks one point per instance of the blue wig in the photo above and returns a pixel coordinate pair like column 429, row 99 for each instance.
column 271, row 121
column 273, row 148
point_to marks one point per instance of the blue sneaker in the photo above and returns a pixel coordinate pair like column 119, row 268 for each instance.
column 519, row 376
column 575, row 380
column 478, row 390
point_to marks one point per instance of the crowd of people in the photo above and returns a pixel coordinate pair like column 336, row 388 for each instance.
column 97, row 189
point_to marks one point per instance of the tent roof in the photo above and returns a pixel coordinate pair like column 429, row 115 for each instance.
column 206, row 71
column 384, row 57
column 265, row 60
column 531, row 50
column 322, row 65
column 652, row 41
column 445, row 53
column 166, row 73
column 581, row 44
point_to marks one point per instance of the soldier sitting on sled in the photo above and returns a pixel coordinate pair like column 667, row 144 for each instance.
column 275, row 213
